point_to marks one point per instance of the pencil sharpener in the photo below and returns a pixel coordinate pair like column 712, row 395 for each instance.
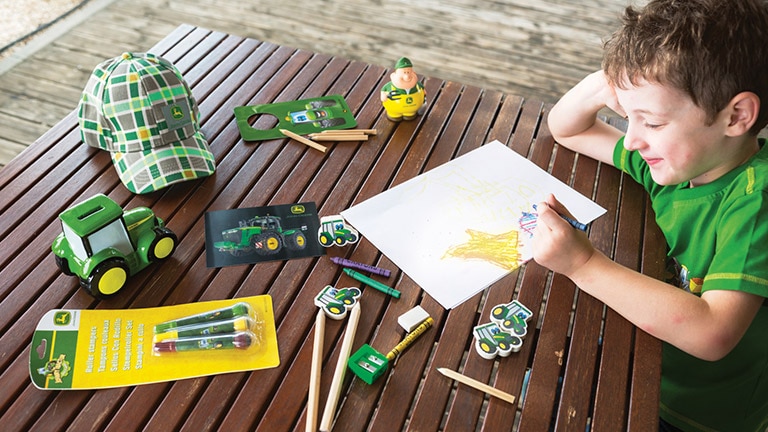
column 368, row 364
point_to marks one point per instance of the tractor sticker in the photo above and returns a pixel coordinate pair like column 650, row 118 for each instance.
column 335, row 231
column 252, row 235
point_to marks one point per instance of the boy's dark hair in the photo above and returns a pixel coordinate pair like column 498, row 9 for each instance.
column 709, row 49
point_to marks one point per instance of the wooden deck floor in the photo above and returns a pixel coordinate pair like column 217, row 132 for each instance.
column 534, row 48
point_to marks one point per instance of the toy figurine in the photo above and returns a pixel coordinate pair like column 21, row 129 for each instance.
column 102, row 245
column 404, row 96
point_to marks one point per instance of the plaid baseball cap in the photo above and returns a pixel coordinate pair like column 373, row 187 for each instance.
column 140, row 109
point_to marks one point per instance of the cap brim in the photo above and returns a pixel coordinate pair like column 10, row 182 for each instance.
column 154, row 169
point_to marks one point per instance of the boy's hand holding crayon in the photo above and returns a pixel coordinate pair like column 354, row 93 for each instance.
column 556, row 244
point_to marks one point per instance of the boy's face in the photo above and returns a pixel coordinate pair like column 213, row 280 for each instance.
column 671, row 133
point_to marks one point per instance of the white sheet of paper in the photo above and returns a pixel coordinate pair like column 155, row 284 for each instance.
column 442, row 226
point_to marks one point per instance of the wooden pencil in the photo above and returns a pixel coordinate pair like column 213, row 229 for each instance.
column 341, row 367
column 303, row 140
column 477, row 385
column 350, row 131
column 314, row 375
column 343, row 137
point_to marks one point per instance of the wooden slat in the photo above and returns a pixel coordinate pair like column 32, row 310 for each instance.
column 645, row 368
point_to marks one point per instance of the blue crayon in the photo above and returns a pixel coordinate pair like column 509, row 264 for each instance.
column 360, row 266
column 574, row 223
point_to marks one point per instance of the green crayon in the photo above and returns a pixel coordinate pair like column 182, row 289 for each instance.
column 386, row 289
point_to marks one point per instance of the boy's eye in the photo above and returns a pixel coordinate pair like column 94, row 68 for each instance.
column 652, row 125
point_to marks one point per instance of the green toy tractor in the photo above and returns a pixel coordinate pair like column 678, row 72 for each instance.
column 102, row 245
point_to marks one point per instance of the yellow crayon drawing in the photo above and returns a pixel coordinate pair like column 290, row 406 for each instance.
column 498, row 249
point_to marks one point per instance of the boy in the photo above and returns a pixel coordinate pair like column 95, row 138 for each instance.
column 691, row 77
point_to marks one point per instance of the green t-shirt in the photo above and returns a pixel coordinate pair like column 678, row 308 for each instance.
column 717, row 235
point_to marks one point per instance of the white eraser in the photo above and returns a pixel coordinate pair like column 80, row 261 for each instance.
column 411, row 319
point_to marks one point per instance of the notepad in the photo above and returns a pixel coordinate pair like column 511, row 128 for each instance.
column 460, row 227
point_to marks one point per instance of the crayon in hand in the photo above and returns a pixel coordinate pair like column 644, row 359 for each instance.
column 573, row 222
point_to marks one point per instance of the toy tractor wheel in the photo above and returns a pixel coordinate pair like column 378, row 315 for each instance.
column 340, row 241
column 107, row 278
column 63, row 265
column 163, row 245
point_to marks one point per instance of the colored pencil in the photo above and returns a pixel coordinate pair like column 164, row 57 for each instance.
column 477, row 385
column 342, row 137
column 303, row 140
column 314, row 374
column 341, row 367
column 348, row 131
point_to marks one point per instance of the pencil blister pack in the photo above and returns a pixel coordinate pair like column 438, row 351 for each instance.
column 234, row 327
column 92, row 349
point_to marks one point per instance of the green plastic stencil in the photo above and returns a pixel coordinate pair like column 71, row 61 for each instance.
column 302, row 117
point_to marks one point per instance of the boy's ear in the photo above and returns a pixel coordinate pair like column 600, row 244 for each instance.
column 743, row 111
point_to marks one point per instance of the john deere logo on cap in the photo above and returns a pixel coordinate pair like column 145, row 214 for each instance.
column 176, row 112
column 177, row 115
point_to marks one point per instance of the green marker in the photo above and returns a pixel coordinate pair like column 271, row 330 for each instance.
column 373, row 283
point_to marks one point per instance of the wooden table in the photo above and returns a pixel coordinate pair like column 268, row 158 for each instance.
column 586, row 364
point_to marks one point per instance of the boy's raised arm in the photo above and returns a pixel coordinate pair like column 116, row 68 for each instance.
column 573, row 120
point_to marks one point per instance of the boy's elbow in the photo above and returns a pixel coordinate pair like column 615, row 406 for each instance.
column 707, row 345
column 555, row 125
column 714, row 346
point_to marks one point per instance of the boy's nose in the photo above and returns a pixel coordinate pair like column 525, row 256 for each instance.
column 633, row 141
